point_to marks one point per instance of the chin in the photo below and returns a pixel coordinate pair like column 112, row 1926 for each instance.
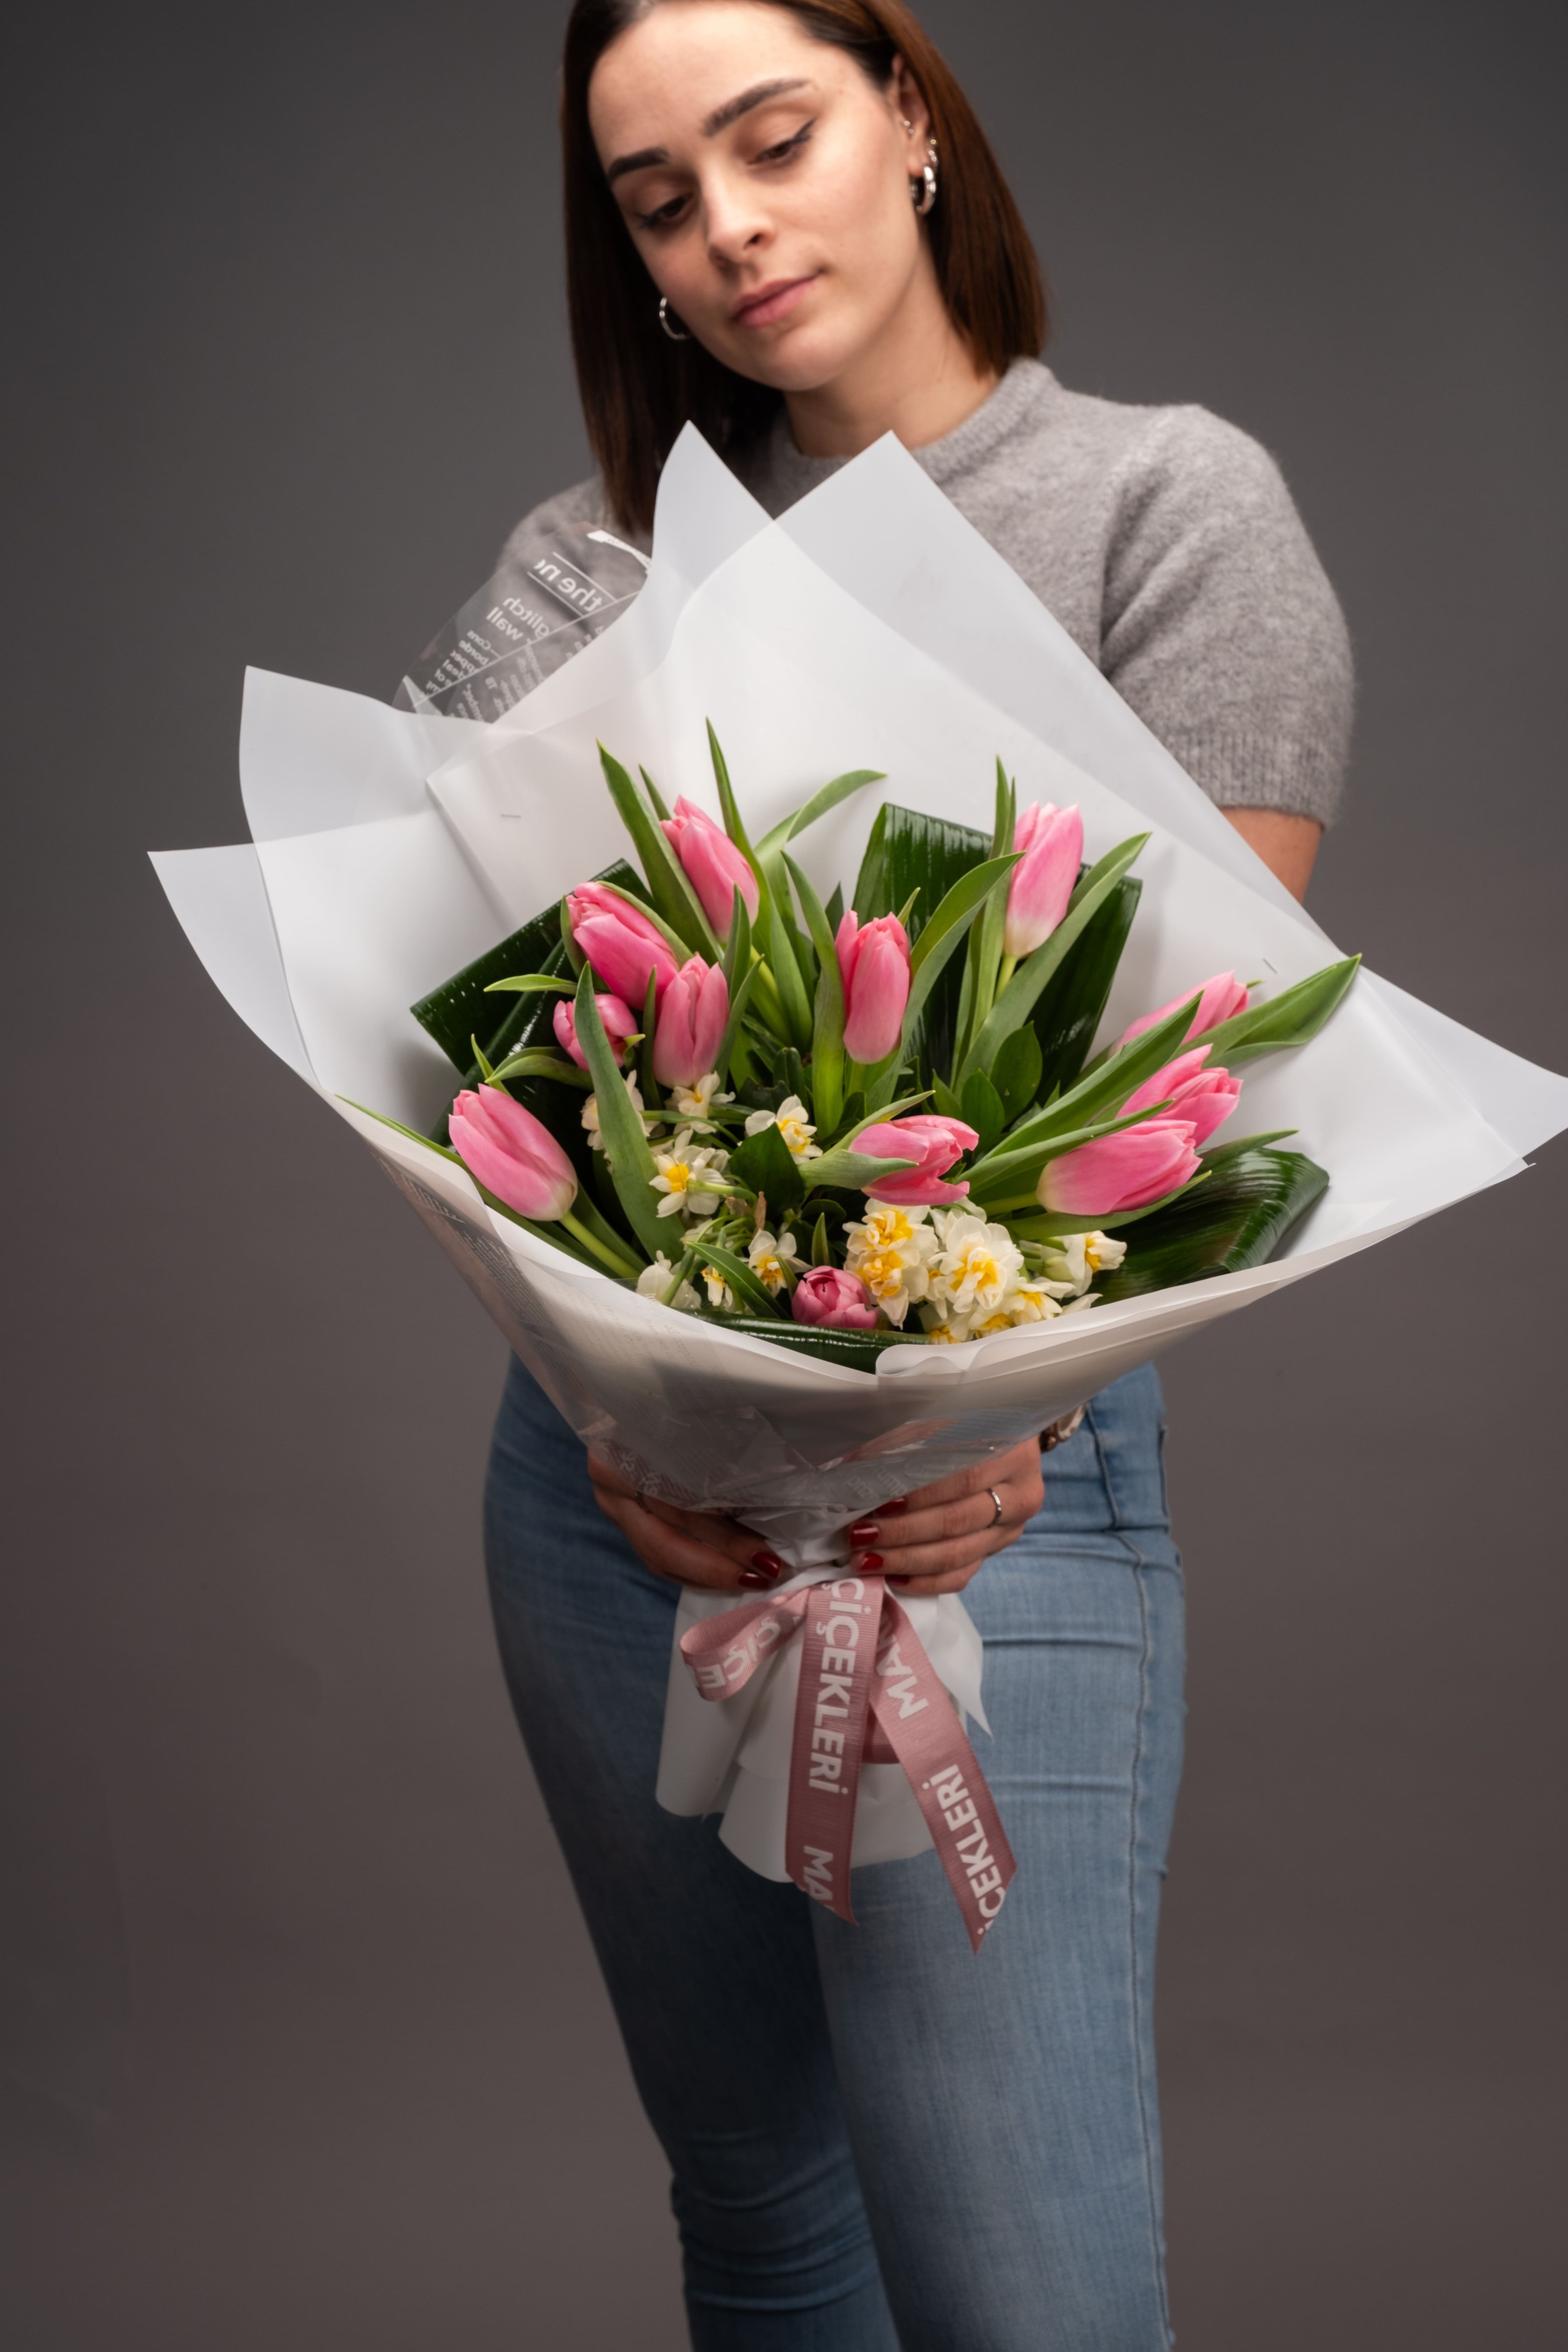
column 803, row 362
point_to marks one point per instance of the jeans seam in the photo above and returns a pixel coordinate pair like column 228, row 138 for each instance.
column 1140, row 1565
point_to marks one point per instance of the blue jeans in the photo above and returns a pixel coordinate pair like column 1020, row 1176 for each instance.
column 877, row 2139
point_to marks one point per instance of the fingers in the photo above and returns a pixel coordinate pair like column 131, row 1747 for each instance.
column 936, row 1540
column 693, row 1548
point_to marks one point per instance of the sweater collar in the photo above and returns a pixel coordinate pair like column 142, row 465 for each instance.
column 1016, row 403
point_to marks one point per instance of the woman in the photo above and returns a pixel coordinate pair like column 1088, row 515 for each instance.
column 784, row 223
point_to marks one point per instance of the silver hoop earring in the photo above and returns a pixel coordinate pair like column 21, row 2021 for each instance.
column 676, row 334
column 923, row 190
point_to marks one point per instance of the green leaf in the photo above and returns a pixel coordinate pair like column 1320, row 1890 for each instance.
column 821, row 1254
column 828, row 1023
column 843, row 1171
column 1291, row 1018
column 946, row 1102
column 1071, row 1006
column 654, row 796
column 1004, row 1172
column 857, row 1352
column 817, row 805
column 531, row 984
column 1017, row 1071
column 1017, row 1000
column 672, row 895
column 743, row 1282
column 646, row 1082
column 912, row 853
column 982, row 1109
column 765, row 1164
column 1104, row 1089
column 1240, row 1218
column 835, row 909
column 626, row 1142
column 539, row 1062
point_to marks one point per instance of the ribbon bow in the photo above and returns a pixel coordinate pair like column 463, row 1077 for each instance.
column 862, row 1657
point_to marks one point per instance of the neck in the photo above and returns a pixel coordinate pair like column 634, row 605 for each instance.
column 919, row 381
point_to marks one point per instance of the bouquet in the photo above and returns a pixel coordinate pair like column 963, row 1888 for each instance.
column 894, row 1171
column 845, row 1127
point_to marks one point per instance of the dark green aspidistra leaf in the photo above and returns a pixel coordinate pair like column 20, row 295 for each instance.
column 1238, row 1218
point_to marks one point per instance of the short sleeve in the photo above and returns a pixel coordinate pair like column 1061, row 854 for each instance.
column 1220, row 627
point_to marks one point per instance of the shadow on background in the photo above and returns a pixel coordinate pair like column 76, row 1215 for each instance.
column 300, row 2040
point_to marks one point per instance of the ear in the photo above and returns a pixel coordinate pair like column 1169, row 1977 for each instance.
column 910, row 106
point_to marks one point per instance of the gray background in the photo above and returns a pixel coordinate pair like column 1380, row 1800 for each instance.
column 300, row 2040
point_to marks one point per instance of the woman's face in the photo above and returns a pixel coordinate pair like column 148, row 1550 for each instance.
column 765, row 182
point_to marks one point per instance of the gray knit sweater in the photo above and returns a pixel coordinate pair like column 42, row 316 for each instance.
column 1167, row 545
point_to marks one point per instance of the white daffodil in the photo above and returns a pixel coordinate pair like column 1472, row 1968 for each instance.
column 691, row 1176
column 768, row 1259
column 695, row 1102
column 791, row 1120
column 591, row 1112
column 720, row 1295
column 891, row 1250
column 654, row 1280
column 1075, row 1259
column 1032, row 1302
column 976, row 1267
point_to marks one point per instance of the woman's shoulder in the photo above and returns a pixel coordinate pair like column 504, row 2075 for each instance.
column 578, row 508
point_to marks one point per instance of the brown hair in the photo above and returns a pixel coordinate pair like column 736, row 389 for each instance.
column 637, row 387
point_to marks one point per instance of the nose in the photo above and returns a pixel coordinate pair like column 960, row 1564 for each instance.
column 737, row 225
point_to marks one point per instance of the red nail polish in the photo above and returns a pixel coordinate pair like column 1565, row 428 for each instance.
column 899, row 1503
column 758, row 1580
column 864, row 1531
column 769, row 1563
column 870, row 1563
column 900, row 1583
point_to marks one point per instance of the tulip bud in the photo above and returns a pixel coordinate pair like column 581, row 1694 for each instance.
column 692, row 1019
column 933, row 1143
column 1221, row 999
column 874, row 964
column 1206, row 1097
column 626, row 949
column 715, row 869
column 830, row 1297
column 513, row 1155
column 1120, row 1171
column 620, row 1026
column 1051, row 841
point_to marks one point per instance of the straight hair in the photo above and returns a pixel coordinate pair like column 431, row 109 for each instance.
column 636, row 387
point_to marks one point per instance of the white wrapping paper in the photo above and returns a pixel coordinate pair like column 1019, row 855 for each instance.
column 870, row 628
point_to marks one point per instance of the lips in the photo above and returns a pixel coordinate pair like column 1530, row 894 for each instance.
column 771, row 302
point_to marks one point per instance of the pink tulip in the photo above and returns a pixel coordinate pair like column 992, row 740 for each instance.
column 1120, row 1171
column 828, row 1296
column 1221, row 999
column 691, row 1024
column 620, row 1025
column 513, row 1155
column 1051, row 840
column 715, row 869
column 1207, row 1097
column 874, row 963
column 623, row 946
column 938, row 1142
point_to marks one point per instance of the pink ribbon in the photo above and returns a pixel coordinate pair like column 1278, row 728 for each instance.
column 869, row 1694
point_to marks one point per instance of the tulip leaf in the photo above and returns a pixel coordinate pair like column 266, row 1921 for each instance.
column 1291, row 1018
column 821, row 1250
column 843, row 1171
column 1238, row 1218
column 765, row 1165
column 1071, row 1006
column 878, row 1115
column 982, row 1109
column 817, row 806
column 828, row 1022
column 654, row 796
column 742, row 1281
column 781, row 998
column 531, row 984
column 1016, row 1073
column 1018, row 999
column 946, row 1102
column 672, row 895
column 540, row 1063
column 625, row 1140
column 1109, row 1083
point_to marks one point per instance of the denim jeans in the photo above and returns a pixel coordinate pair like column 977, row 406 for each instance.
column 877, row 2139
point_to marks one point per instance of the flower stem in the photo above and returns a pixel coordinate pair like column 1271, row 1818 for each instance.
column 617, row 1264
column 1005, row 970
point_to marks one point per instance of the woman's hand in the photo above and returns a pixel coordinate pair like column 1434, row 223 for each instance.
column 931, row 1541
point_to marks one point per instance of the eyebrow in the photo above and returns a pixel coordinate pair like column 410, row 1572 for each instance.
column 719, row 119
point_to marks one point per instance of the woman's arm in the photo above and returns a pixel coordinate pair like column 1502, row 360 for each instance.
column 1286, row 845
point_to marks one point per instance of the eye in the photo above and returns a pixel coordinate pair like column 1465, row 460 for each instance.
column 664, row 216
column 787, row 147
